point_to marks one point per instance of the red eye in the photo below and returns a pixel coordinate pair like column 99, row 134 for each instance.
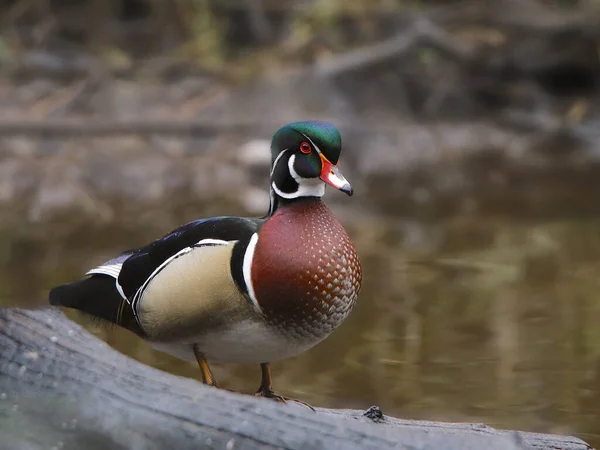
column 305, row 147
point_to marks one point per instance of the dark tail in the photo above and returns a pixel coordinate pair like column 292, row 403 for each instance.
column 97, row 296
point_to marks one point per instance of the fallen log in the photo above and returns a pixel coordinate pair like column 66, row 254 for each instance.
column 62, row 388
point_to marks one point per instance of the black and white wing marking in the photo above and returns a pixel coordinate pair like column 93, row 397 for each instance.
column 140, row 266
column 112, row 290
column 112, row 268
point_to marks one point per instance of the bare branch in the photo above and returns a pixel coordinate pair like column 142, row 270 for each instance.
column 421, row 32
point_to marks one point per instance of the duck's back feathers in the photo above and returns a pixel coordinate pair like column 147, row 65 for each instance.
column 145, row 260
column 113, row 289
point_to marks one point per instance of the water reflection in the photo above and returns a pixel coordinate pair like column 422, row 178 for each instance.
column 473, row 319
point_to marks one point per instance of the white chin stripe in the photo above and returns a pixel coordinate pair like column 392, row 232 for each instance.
column 247, row 270
column 276, row 161
column 303, row 191
column 307, row 187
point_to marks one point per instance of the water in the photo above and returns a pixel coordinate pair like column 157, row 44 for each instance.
column 474, row 318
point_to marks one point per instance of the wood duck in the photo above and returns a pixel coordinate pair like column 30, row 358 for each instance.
column 240, row 290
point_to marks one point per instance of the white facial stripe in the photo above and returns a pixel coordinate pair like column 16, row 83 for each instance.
column 271, row 201
column 293, row 172
column 277, row 160
column 307, row 187
column 274, row 189
column 247, row 270
column 280, row 192
column 313, row 144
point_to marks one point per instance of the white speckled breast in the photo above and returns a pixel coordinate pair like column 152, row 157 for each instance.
column 305, row 271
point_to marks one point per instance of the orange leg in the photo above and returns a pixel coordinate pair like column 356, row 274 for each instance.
column 207, row 376
column 266, row 388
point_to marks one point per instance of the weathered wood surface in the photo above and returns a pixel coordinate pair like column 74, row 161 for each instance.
column 60, row 387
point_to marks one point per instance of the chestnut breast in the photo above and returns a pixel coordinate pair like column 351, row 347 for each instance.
column 305, row 271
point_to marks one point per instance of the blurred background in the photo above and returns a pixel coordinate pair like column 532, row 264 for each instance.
column 470, row 135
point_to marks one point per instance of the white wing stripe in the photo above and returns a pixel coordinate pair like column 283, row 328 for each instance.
column 209, row 241
column 111, row 270
column 140, row 291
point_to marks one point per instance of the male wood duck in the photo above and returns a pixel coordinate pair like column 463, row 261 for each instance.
column 240, row 290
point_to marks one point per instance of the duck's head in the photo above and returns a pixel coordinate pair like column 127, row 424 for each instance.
column 304, row 158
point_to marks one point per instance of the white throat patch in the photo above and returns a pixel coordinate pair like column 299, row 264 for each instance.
column 307, row 187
